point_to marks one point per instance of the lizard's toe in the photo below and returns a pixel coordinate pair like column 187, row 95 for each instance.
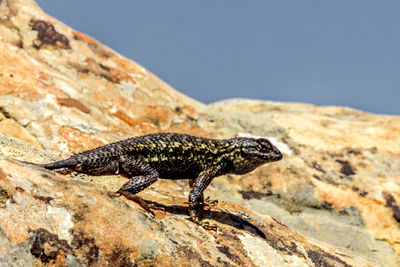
column 147, row 207
column 209, row 203
column 208, row 226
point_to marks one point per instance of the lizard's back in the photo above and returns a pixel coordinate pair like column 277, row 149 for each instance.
column 176, row 155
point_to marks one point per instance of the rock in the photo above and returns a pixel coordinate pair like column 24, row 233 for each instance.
column 11, row 127
column 332, row 201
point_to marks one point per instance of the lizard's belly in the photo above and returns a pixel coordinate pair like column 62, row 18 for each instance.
column 177, row 171
column 177, row 165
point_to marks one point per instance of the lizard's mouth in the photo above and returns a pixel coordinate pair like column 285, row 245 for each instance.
column 271, row 156
column 274, row 155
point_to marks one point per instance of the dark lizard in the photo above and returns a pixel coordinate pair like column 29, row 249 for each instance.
column 146, row 158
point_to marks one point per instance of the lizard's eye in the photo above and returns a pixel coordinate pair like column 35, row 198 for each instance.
column 264, row 146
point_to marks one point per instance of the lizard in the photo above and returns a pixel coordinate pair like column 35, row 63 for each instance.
column 145, row 159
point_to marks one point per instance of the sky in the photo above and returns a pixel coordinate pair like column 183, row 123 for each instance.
column 342, row 53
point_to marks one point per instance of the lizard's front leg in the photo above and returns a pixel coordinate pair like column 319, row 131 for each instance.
column 205, row 203
column 196, row 196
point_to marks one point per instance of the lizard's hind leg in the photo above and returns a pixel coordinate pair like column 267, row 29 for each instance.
column 141, row 176
column 137, row 184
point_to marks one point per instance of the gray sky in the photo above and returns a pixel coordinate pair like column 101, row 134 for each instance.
column 343, row 52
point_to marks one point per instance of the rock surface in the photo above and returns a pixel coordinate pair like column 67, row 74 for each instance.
column 332, row 201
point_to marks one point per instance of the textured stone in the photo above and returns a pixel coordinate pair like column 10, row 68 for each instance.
column 11, row 127
column 332, row 201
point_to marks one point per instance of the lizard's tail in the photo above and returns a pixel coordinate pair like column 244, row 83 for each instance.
column 66, row 163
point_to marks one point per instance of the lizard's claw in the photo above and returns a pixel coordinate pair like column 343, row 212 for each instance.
column 116, row 194
column 137, row 199
column 208, row 226
column 194, row 215
column 209, row 203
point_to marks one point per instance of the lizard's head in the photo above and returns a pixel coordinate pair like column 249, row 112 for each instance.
column 260, row 149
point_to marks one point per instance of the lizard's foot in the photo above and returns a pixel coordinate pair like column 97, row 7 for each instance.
column 208, row 203
column 208, row 226
column 147, row 207
column 194, row 215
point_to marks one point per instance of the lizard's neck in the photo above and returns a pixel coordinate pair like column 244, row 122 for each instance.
column 243, row 166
